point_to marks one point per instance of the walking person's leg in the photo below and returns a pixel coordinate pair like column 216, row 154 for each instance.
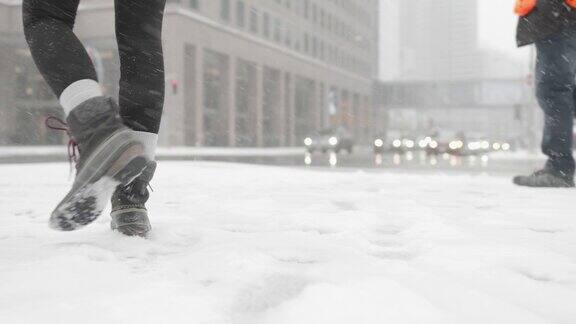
column 110, row 152
column 59, row 55
column 555, row 82
column 139, row 35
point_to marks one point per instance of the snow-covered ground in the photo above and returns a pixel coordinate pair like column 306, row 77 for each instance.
column 252, row 244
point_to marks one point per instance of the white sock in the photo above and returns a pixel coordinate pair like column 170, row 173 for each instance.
column 78, row 92
column 150, row 141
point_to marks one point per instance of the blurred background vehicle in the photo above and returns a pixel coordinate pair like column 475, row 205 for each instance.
column 380, row 144
column 457, row 144
column 499, row 145
column 397, row 142
column 330, row 140
column 477, row 144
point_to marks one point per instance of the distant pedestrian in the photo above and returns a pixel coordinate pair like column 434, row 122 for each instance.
column 551, row 26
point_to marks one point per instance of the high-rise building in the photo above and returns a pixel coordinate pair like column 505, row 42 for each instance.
column 438, row 40
column 238, row 72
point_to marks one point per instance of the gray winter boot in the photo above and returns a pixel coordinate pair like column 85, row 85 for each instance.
column 545, row 179
column 110, row 155
column 129, row 214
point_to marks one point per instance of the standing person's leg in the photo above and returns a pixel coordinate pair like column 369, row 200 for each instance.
column 139, row 35
column 555, row 86
column 555, row 77
column 110, row 153
column 59, row 55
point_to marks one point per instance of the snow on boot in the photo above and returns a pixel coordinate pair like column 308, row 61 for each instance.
column 129, row 213
column 545, row 179
column 111, row 154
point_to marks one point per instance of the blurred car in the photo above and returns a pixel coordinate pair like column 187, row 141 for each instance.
column 428, row 144
column 439, row 142
column 380, row 144
column 501, row 146
column 477, row 145
column 457, row 144
column 334, row 140
column 395, row 142
column 402, row 143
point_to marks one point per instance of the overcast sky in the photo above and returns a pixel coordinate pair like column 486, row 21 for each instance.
column 498, row 27
column 497, row 31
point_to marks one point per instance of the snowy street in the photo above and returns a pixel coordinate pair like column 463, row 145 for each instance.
column 245, row 244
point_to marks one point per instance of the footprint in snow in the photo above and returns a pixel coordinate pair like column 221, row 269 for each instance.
column 345, row 205
column 269, row 293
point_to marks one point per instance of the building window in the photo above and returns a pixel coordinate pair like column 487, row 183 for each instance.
column 246, row 115
column 271, row 101
column 277, row 30
column 195, row 4
column 314, row 46
column 266, row 25
column 225, row 10
column 254, row 20
column 240, row 14
column 215, row 117
column 314, row 13
column 288, row 37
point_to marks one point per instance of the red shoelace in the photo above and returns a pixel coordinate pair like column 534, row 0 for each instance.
column 56, row 123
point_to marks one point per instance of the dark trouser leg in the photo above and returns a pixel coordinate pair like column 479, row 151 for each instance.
column 139, row 31
column 555, row 77
column 58, row 53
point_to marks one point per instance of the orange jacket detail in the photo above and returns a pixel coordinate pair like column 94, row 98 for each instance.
column 525, row 7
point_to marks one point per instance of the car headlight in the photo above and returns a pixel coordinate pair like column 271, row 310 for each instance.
column 505, row 147
column 433, row 144
column 397, row 143
column 378, row 143
column 454, row 145
column 333, row 141
column 423, row 143
column 409, row 143
column 307, row 141
column 485, row 145
column 473, row 146
column 496, row 146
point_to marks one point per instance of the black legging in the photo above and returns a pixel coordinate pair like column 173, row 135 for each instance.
column 62, row 59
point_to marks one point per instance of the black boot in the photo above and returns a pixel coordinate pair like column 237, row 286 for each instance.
column 545, row 179
column 129, row 213
column 111, row 154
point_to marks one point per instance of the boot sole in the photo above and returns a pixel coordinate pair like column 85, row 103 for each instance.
column 118, row 161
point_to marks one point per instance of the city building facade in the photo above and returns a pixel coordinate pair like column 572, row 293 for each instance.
column 238, row 72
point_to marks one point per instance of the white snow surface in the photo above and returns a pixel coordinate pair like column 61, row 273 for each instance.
column 254, row 244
